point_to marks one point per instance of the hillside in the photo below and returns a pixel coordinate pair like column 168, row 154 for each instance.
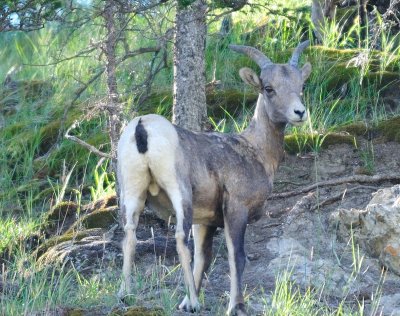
column 309, row 255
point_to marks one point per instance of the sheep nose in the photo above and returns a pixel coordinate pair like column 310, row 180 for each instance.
column 300, row 113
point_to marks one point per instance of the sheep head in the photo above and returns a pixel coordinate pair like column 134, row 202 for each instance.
column 280, row 85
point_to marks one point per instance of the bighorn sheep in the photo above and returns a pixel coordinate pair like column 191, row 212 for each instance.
column 210, row 180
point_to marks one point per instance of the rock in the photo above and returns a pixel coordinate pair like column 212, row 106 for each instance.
column 331, row 166
column 308, row 251
column 350, row 218
column 380, row 230
column 390, row 304
column 376, row 228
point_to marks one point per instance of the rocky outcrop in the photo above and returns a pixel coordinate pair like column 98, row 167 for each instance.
column 376, row 227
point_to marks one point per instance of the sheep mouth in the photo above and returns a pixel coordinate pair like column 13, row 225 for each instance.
column 297, row 123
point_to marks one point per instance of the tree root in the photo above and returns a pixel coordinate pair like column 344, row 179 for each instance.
column 334, row 182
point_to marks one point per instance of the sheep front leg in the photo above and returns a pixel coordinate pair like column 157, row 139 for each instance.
column 132, row 208
column 235, row 222
column 203, row 238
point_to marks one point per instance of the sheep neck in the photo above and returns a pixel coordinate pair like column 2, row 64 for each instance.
column 266, row 137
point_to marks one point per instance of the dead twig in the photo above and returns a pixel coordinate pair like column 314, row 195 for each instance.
column 334, row 182
column 85, row 144
column 340, row 196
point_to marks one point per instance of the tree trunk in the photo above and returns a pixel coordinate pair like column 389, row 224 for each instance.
column 189, row 109
column 114, row 123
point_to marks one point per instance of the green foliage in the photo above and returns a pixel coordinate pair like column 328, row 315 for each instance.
column 104, row 182
column 287, row 299
column 367, row 156
column 346, row 86
column 30, row 292
column 185, row 3
column 28, row 15
column 233, row 4
column 298, row 142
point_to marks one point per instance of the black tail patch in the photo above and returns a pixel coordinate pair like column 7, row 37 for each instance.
column 141, row 137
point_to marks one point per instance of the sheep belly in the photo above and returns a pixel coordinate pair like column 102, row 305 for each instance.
column 203, row 212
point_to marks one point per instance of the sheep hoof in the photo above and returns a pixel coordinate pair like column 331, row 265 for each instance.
column 123, row 292
column 189, row 307
column 121, row 295
column 238, row 310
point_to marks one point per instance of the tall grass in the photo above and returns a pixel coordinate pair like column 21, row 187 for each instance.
column 31, row 169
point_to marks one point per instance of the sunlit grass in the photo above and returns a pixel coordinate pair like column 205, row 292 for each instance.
column 15, row 232
column 32, row 176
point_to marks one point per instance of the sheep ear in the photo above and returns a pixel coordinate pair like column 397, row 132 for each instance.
column 305, row 71
column 250, row 77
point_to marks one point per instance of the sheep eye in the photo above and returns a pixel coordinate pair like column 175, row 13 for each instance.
column 303, row 87
column 269, row 90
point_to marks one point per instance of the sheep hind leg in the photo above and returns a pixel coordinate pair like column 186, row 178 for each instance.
column 184, row 213
column 133, row 208
column 203, row 238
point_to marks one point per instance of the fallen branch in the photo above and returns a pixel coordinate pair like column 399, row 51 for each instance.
column 339, row 196
column 84, row 144
column 333, row 182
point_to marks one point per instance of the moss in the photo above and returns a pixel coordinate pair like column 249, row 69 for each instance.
column 76, row 312
column 355, row 129
column 104, row 202
column 390, row 129
column 12, row 129
column 337, row 138
column 36, row 89
column 333, row 54
column 231, row 100
column 156, row 100
column 296, row 143
column 383, row 78
column 76, row 236
column 61, row 210
column 59, row 219
column 102, row 218
column 217, row 100
column 49, row 134
column 340, row 73
column 140, row 311
column 17, row 144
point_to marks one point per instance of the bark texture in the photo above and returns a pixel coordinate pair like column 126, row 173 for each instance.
column 189, row 109
column 114, row 123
